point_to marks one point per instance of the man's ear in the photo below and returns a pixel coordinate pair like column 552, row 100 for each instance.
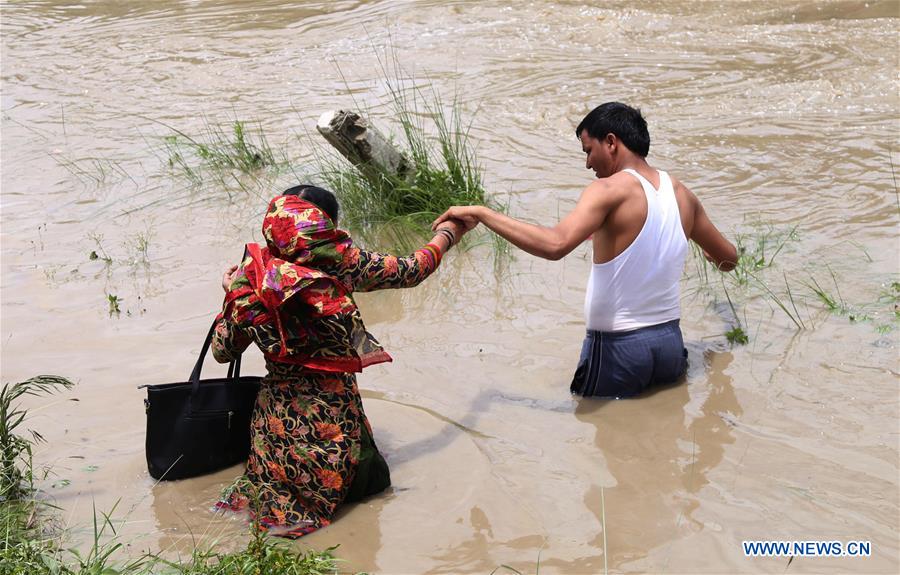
column 612, row 141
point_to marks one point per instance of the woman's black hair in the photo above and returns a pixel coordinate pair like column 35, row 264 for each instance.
column 321, row 197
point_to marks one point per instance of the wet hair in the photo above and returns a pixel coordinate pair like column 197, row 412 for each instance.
column 322, row 198
column 625, row 122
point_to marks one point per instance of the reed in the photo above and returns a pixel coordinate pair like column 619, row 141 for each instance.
column 22, row 545
column 833, row 301
column 757, row 254
column 221, row 148
column 16, row 472
column 773, row 298
column 235, row 156
column 94, row 172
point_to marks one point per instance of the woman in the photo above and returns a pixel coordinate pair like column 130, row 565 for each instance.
column 311, row 444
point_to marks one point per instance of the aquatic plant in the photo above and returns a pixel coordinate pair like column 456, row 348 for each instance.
column 113, row 301
column 234, row 148
column 139, row 246
column 99, row 253
column 21, row 544
column 735, row 335
column 890, row 295
column 263, row 554
column 94, row 172
column 16, row 475
column 831, row 303
column 758, row 251
column 773, row 298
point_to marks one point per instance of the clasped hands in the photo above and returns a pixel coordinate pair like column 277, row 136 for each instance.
column 465, row 218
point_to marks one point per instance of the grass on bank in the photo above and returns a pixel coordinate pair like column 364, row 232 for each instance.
column 31, row 544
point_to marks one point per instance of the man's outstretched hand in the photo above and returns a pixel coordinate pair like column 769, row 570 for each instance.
column 468, row 216
column 455, row 227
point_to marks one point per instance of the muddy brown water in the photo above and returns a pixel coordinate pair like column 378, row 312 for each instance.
column 776, row 113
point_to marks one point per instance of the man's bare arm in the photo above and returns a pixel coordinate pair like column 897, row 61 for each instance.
column 705, row 234
column 545, row 242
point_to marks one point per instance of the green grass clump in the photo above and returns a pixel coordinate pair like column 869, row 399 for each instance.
column 16, row 471
column 748, row 282
column 737, row 335
column 23, row 548
column 890, row 295
column 395, row 210
column 221, row 150
column 262, row 555
column 833, row 303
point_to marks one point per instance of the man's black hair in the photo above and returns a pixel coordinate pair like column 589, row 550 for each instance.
column 321, row 197
column 625, row 122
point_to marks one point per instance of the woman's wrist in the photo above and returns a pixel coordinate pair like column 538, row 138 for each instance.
column 447, row 235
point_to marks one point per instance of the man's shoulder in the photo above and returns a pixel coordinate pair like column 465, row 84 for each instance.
column 618, row 182
column 681, row 190
column 676, row 183
column 612, row 190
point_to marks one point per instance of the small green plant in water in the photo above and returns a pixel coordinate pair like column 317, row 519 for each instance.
column 113, row 301
column 140, row 247
column 737, row 335
column 890, row 295
column 100, row 252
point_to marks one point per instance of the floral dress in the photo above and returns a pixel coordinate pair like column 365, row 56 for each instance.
column 311, row 443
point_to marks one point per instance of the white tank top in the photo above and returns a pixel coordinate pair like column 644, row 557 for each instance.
column 639, row 287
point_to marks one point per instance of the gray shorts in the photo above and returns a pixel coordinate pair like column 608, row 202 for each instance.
column 627, row 363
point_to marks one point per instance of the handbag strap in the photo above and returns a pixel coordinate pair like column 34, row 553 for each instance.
column 234, row 368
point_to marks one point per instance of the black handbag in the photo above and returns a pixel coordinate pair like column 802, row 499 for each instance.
column 199, row 426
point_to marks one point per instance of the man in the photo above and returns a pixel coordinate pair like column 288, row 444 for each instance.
column 639, row 219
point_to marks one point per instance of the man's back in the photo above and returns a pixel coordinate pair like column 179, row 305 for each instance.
column 638, row 286
column 626, row 219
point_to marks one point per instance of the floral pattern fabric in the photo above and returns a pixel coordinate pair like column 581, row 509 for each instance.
column 311, row 443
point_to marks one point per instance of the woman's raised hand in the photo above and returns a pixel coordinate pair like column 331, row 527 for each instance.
column 228, row 277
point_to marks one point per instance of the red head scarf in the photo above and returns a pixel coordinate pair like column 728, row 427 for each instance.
column 299, row 264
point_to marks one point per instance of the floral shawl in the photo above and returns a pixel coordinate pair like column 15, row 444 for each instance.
column 289, row 287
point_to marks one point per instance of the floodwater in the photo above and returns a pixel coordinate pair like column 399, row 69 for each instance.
column 778, row 114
